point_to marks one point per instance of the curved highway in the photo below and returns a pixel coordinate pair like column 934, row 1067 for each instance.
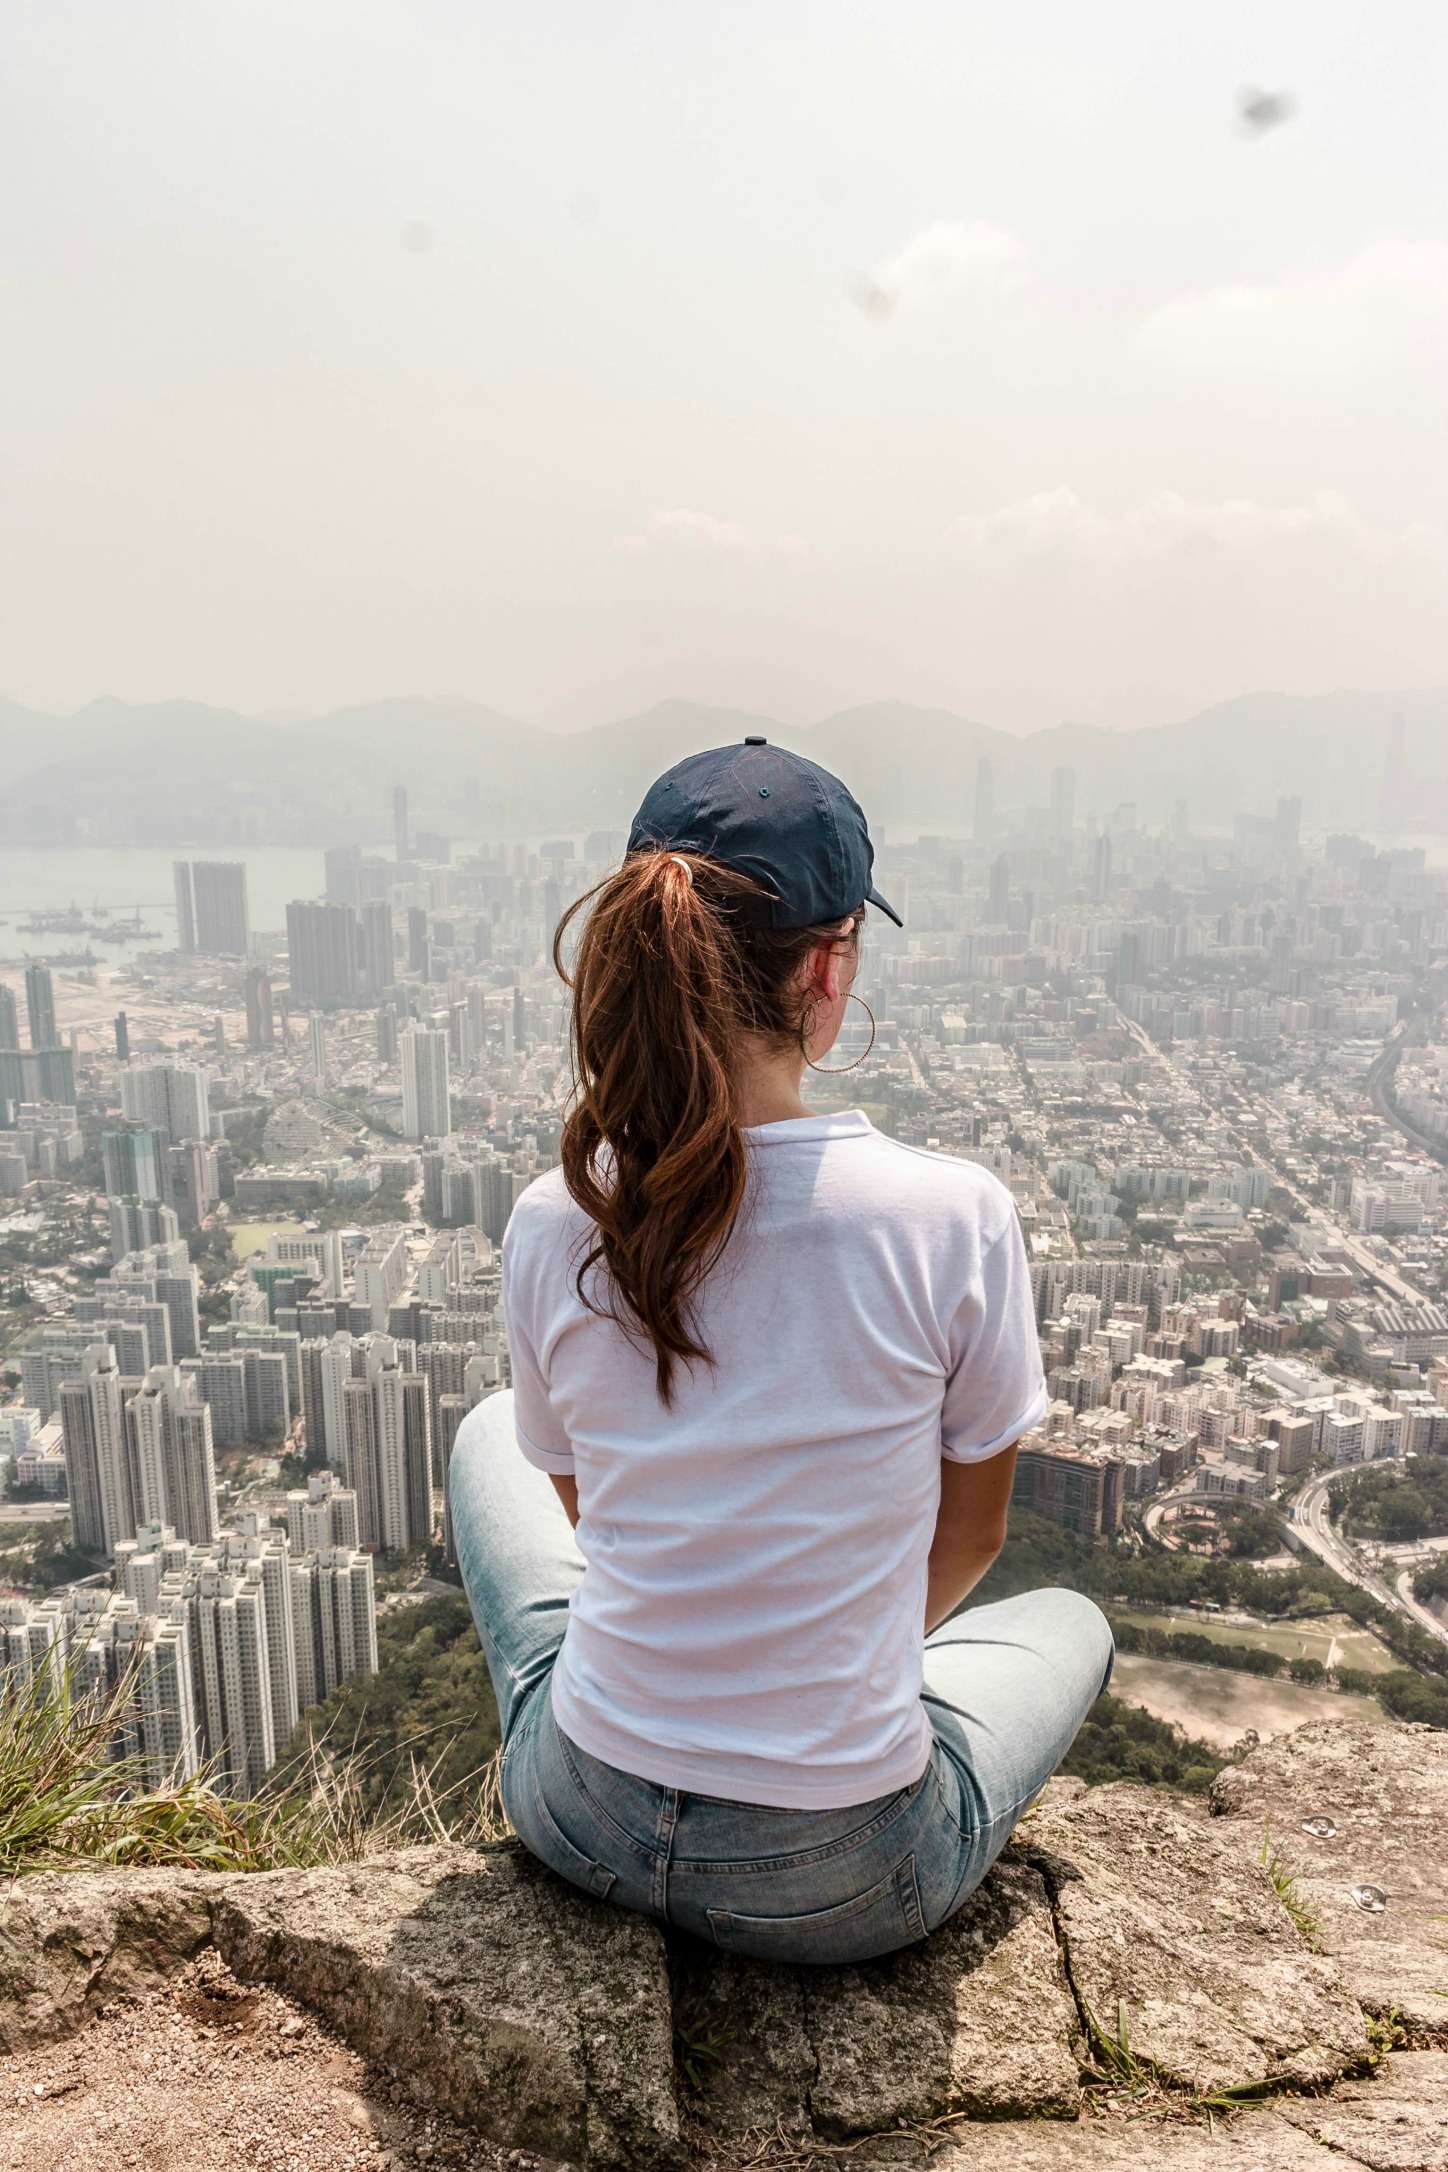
column 1308, row 1517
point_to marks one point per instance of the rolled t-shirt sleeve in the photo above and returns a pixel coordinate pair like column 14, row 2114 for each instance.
column 996, row 1389
column 542, row 1439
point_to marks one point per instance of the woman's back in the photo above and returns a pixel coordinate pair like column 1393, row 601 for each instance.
column 751, row 1622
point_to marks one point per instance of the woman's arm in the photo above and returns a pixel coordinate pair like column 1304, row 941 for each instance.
column 970, row 1529
column 567, row 1492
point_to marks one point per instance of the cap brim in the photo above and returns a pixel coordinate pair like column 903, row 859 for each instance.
column 873, row 897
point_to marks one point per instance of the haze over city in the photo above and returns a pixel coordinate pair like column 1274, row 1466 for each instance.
column 570, row 361
column 424, row 427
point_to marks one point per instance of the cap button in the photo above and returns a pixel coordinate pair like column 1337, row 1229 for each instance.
column 753, row 739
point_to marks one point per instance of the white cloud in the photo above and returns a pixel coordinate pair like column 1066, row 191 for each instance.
column 943, row 258
column 685, row 526
column 1058, row 520
column 1391, row 295
column 705, row 528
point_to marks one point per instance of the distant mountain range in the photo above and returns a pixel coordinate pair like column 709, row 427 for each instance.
column 175, row 772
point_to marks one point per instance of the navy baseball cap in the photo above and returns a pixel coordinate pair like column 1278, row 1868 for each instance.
column 772, row 815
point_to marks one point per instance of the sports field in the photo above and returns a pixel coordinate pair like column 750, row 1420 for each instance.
column 1335, row 1639
column 249, row 1237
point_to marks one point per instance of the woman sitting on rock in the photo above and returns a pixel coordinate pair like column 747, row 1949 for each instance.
column 769, row 1367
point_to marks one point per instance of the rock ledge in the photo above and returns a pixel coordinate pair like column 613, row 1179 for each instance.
column 1180, row 1957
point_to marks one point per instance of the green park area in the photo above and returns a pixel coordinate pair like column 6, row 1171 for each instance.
column 1335, row 1639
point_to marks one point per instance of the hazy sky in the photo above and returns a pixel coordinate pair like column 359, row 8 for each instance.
column 791, row 353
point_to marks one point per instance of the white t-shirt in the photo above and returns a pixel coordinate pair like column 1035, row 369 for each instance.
column 750, row 1623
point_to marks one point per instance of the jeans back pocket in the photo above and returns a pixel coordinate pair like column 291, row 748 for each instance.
column 880, row 1920
column 551, row 1844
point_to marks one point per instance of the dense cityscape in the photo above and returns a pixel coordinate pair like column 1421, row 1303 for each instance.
column 253, row 1182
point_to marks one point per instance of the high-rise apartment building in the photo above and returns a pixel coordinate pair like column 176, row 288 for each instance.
column 173, row 1468
column 261, row 1022
column 173, row 1098
column 185, row 908
column 123, row 1037
column 9, row 1019
column 387, row 1449
column 135, row 1224
column 229, row 1631
column 38, row 1074
column 317, row 1046
column 324, row 955
column 379, row 970
column 324, row 1515
column 426, row 1101
column 93, row 1427
column 133, row 1164
column 40, row 1007
column 212, row 919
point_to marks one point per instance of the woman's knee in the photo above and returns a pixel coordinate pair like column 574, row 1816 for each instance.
column 1084, row 1631
column 485, row 1431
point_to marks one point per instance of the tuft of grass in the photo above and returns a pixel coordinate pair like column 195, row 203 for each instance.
column 68, row 1802
column 700, row 2041
column 1385, row 2032
column 1113, row 2055
column 1284, row 1883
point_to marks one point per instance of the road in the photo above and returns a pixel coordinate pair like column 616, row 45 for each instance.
column 1152, row 1514
column 1309, row 1518
column 1362, row 1257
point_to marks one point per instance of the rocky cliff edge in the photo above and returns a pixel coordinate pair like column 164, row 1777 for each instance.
column 1258, row 1979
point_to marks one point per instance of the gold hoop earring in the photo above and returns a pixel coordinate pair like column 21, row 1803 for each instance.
column 837, row 1070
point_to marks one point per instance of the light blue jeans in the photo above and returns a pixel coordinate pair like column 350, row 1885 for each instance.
column 1007, row 1687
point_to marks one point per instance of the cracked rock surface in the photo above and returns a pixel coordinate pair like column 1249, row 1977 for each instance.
column 977, row 2019
column 1178, row 1941
column 490, row 1989
column 1383, row 1791
column 495, row 2017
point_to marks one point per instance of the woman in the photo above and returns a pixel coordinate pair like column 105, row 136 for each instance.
column 768, row 1371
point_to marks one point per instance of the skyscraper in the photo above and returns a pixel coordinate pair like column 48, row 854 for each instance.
column 426, row 1101
column 92, row 1423
column 317, row 1046
column 9, row 1019
column 190, row 1180
column 133, row 1163
column 223, row 924
column 40, row 1007
column 1101, row 869
column 261, row 1023
column 387, row 1450
column 324, row 955
column 173, row 1098
column 378, row 967
column 211, row 908
column 173, row 1468
column 185, row 908
column 123, row 1037
column 399, row 821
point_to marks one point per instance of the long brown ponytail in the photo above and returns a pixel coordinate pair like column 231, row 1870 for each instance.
column 672, row 971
